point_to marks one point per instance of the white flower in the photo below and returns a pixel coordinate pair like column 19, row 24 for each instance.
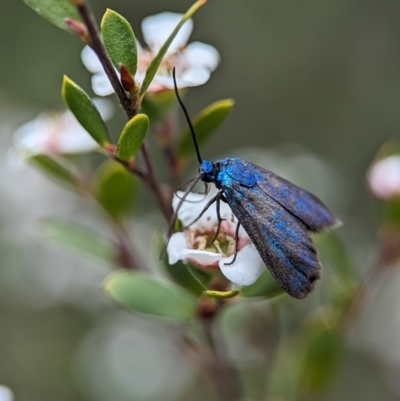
column 384, row 178
column 6, row 394
column 194, row 62
column 57, row 133
column 191, row 246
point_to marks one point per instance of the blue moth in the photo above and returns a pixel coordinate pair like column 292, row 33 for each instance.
column 277, row 215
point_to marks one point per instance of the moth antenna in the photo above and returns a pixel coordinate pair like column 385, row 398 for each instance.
column 196, row 145
column 205, row 193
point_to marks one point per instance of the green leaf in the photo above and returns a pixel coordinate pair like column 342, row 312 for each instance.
column 141, row 293
column 266, row 286
column 391, row 212
column 119, row 40
column 132, row 137
column 334, row 254
column 116, row 188
column 55, row 11
column 188, row 277
column 153, row 67
column 79, row 239
column 85, row 111
column 55, row 168
column 285, row 374
column 204, row 124
column 323, row 345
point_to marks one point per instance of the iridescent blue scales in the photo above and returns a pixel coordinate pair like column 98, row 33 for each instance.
column 277, row 216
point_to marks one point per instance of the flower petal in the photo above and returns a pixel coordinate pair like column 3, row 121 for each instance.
column 247, row 268
column 157, row 28
column 177, row 249
column 176, row 243
column 90, row 60
column 6, row 394
column 73, row 138
column 189, row 78
column 53, row 133
column 384, row 178
column 101, row 84
column 203, row 259
column 195, row 77
column 194, row 205
column 198, row 54
column 105, row 106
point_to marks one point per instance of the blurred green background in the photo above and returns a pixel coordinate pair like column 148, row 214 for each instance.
column 317, row 90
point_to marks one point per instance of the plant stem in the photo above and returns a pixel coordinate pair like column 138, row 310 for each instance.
column 128, row 105
column 224, row 378
column 149, row 179
column 353, row 312
column 126, row 255
column 98, row 47
column 164, row 203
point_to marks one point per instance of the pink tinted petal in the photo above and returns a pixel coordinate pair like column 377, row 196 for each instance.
column 53, row 133
column 247, row 268
column 384, row 178
column 198, row 54
column 175, row 245
column 157, row 28
column 202, row 259
column 90, row 60
column 101, row 85
column 156, row 87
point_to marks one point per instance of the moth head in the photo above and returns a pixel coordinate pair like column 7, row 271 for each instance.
column 207, row 171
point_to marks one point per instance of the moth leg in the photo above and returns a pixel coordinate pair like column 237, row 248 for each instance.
column 218, row 198
column 236, row 245
column 206, row 207
column 175, row 214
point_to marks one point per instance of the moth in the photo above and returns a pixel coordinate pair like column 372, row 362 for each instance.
column 277, row 215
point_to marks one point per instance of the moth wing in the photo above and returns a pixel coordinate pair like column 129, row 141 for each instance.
column 281, row 239
column 301, row 203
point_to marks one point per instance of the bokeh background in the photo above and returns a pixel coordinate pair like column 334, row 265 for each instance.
column 317, row 91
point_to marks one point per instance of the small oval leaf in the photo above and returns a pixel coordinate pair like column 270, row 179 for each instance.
column 132, row 137
column 55, row 169
column 78, row 239
column 116, row 188
column 334, row 254
column 141, row 293
column 322, row 344
column 119, row 40
column 85, row 111
column 153, row 67
column 205, row 124
column 55, row 11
